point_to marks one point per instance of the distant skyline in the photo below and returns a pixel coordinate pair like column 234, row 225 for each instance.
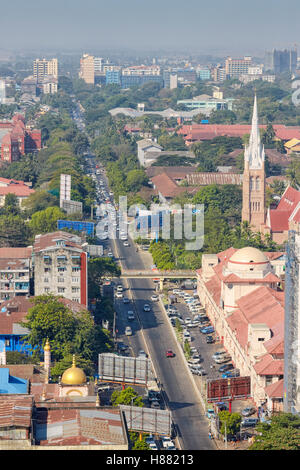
column 218, row 28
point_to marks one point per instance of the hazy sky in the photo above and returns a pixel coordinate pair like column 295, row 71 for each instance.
column 246, row 26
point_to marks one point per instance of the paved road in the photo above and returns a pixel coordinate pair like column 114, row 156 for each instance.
column 153, row 334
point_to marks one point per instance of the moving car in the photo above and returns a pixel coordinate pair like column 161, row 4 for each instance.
column 125, row 244
column 155, row 404
column 126, row 300
column 130, row 315
column 147, row 308
column 119, row 295
column 128, row 331
column 210, row 413
column 169, row 353
column 154, row 298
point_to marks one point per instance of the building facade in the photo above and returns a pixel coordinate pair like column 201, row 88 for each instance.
column 292, row 326
column 239, row 291
column 60, row 266
column 87, row 69
column 236, row 67
column 15, row 272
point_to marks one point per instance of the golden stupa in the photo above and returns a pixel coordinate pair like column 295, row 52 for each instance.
column 74, row 375
column 47, row 345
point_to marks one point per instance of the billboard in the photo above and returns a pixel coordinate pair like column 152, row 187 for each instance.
column 141, row 419
column 87, row 227
column 71, row 207
column 133, row 370
column 95, row 250
column 228, row 389
column 65, row 188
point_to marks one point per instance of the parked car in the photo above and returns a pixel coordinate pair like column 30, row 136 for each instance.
column 222, row 359
column 218, row 354
column 193, row 361
column 226, row 367
column 155, row 404
column 209, row 339
column 210, row 413
column 207, row 330
column 221, row 406
column 154, row 298
column 248, row 411
column 142, row 353
column 231, row 373
column 166, row 442
column 249, row 422
column 152, row 446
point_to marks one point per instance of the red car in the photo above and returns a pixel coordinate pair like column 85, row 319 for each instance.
column 169, row 353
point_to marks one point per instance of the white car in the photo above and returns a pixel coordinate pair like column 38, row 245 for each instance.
column 154, row 298
column 123, row 237
column 147, row 308
column 153, row 446
column 120, row 288
column 110, row 254
column 119, row 295
column 128, row 331
column 166, row 442
column 125, row 244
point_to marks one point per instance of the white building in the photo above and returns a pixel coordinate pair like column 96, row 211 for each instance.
column 147, row 146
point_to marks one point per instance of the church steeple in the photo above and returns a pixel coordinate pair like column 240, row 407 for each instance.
column 254, row 152
column 254, row 177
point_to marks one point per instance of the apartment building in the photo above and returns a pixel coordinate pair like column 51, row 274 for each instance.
column 60, row 266
column 87, row 69
column 236, row 67
column 142, row 70
column 43, row 68
column 15, row 272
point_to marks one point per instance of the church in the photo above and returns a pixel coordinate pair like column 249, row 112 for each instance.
column 275, row 222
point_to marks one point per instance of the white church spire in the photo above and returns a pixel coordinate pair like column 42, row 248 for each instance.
column 254, row 152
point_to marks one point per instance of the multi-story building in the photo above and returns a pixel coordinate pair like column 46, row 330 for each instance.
column 2, row 91
column 16, row 139
column 207, row 103
column 142, row 70
column 60, row 266
column 236, row 67
column 218, row 74
column 43, row 68
column 239, row 291
column 20, row 189
column 87, row 69
column 203, row 73
column 15, row 272
column 281, row 61
column 292, row 326
column 113, row 77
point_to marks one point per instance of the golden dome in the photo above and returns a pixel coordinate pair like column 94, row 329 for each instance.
column 73, row 376
column 47, row 345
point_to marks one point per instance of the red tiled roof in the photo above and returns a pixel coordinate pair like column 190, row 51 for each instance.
column 17, row 189
column 48, row 240
column 269, row 366
column 14, row 253
column 279, row 217
column 275, row 390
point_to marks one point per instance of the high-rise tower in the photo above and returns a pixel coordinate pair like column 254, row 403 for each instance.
column 254, row 177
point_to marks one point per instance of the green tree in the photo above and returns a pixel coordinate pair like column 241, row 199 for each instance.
column 14, row 231
column 229, row 422
column 128, row 396
column 99, row 268
column 46, row 220
column 283, row 433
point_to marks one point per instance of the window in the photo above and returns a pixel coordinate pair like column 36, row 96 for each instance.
column 61, row 290
column 46, row 279
column 260, row 339
column 75, row 299
column 251, row 182
column 75, row 269
column 46, row 270
column 61, row 270
column 75, row 279
column 75, row 289
column 60, row 279
column 46, row 290
column 257, row 184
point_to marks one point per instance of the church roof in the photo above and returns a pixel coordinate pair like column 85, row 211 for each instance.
column 285, row 211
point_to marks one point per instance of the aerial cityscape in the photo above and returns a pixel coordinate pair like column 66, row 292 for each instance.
column 150, row 228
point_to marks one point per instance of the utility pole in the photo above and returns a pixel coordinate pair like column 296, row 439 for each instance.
column 225, row 435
